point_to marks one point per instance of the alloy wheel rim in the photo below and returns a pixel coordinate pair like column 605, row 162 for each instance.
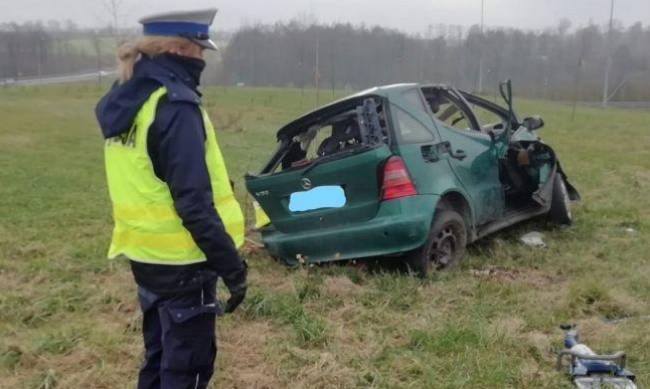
column 444, row 248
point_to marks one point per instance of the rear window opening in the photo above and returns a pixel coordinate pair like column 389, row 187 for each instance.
column 352, row 127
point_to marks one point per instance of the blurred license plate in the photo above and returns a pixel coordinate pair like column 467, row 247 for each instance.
column 318, row 198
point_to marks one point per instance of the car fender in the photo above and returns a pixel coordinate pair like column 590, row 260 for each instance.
column 544, row 194
column 451, row 197
column 573, row 192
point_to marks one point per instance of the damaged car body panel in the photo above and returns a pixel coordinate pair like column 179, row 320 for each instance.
column 313, row 152
column 417, row 170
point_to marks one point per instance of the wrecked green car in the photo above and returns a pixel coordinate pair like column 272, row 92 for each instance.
column 405, row 170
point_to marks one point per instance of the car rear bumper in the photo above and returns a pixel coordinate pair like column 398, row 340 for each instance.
column 400, row 225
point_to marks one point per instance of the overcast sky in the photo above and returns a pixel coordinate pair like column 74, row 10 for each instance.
column 407, row 15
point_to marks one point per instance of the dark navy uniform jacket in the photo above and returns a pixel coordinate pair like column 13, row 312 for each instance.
column 176, row 147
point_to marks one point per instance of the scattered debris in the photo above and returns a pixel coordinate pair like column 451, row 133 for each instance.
column 495, row 273
column 533, row 239
column 302, row 259
column 589, row 370
column 626, row 318
column 252, row 247
column 254, row 243
column 532, row 277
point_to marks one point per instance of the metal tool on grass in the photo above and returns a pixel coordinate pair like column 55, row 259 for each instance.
column 589, row 370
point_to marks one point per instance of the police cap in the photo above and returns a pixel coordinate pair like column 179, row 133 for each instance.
column 193, row 25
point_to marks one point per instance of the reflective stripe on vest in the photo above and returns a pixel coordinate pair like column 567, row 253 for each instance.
column 147, row 226
column 261, row 218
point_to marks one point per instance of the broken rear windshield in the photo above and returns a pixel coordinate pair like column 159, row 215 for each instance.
column 336, row 130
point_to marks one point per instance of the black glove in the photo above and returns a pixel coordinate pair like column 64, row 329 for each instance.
column 235, row 299
column 237, row 286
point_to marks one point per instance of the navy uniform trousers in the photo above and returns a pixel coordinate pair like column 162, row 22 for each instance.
column 179, row 338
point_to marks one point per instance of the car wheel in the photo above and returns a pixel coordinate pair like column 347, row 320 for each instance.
column 444, row 247
column 560, row 211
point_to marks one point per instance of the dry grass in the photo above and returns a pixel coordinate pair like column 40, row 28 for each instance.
column 69, row 318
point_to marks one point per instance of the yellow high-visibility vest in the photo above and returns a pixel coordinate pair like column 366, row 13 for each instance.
column 147, row 226
column 261, row 218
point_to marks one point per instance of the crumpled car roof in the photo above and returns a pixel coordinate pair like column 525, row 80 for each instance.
column 290, row 129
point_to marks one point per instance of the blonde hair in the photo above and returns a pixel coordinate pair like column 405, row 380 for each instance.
column 130, row 52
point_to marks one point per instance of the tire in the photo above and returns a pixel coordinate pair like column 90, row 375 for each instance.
column 560, row 212
column 445, row 245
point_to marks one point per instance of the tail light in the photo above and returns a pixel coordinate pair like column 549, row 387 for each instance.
column 396, row 181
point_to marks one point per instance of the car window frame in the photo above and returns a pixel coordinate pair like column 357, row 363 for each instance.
column 459, row 101
column 492, row 107
column 395, row 123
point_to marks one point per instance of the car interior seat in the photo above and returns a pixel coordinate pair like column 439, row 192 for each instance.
column 343, row 134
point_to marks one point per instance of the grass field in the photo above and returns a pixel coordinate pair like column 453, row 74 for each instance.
column 69, row 317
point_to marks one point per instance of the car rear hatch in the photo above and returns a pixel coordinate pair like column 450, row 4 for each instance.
column 327, row 169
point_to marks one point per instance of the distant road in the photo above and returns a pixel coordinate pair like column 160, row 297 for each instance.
column 625, row 104
column 611, row 104
column 58, row 79
column 86, row 76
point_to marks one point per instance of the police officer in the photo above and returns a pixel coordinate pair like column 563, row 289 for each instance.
column 176, row 218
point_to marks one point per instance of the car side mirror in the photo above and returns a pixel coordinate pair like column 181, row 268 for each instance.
column 533, row 122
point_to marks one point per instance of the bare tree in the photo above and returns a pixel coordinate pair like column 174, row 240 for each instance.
column 114, row 9
column 542, row 64
column 97, row 46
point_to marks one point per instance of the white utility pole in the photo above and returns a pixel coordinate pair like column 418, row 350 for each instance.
column 480, row 58
column 316, row 55
column 608, row 64
column 317, row 69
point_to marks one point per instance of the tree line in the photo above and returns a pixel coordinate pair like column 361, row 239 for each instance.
column 557, row 63
column 34, row 49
